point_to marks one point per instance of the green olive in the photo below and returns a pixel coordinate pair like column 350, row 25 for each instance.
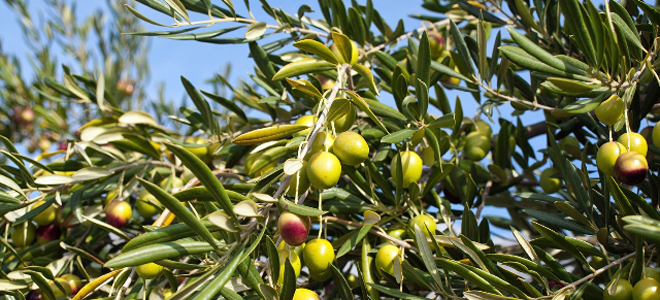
column 148, row 270
column 607, row 155
column 23, row 234
column 411, row 168
column 318, row 255
column 652, row 273
column 47, row 216
column 323, row 170
column 637, row 142
column 346, row 121
column 550, row 184
column 295, row 263
column 351, row 148
column 305, row 294
column 422, row 221
column 623, row 291
column 147, row 204
column 385, row 258
column 610, row 111
column 646, row 289
column 307, row 120
column 477, row 146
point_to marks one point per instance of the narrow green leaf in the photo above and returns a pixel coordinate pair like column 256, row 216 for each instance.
column 399, row 136
column 542, row 55
column 523, row 59
column 255, row 31
column 357, row 100
column 560, row 241
column 158, row 251
column 394, row 292
column 316, row 48
column 461, row 47
column 468, row 275
column 202, row 105
column 559, row 220
column 367, row 75
column 218, row 283
column 445, row 70
column 305, row 86
column 179, row 8
column 230, row 105
column 344, row 290
column 301, row 67
column 619, row 197
column 263, row 135
column 206, row 177
column 446, row 121
column 344, row 47
column 143, row 17
column 575, row 22
column 427, row 254
column 356, row 237
column 178, row 210
column 300, row 210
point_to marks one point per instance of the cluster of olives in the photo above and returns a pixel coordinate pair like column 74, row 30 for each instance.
column 49, row 221
column 625, row 158
column 322, row 166
column 647, row 288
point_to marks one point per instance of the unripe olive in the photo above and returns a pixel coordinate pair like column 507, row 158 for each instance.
column 74, row 282
column 637, row 142
column 23, row 234
column 305, row 294
column 411, row 167
column 436, row 44
column 299, row 181
column 385, row 258
column 646, row 289
column 652, row 273
column 610, row 111
column 631, row 168
column 323, row 170
column 47, row 233
column 656, row 135
column 323, row 142
column 318, row 255
column 59, row 293
column 201, row 151
column 550, row 184
column 350, row 148
column 395, row 233
column 569, row 141
column 607, row 155
column 307, row 120
column 477, row 145
column 346, row 121
column 483, row 127
column 148, row 270
column 118, row 213
column 293, row 228
column 295, row 263
column 422, row 221
column 623, row 291
column 145, row 204
column 47, row 216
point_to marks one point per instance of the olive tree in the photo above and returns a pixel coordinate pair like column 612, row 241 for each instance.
column 332, row 191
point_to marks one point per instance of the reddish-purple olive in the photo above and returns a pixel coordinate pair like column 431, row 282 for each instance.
column 631, row 168
column 293, row 228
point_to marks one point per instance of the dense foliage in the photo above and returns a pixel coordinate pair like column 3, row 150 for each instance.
column 301, row 181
